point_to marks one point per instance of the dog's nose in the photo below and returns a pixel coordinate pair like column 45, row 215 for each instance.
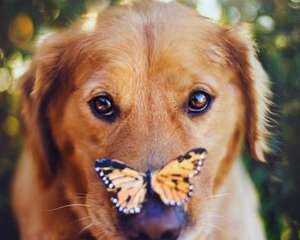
column 155, row 222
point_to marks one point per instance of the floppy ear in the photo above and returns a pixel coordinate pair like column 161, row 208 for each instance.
column 46, row 78
column 255, row 86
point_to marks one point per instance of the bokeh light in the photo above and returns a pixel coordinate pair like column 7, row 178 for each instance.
column 11, row 126
column 21, row 29
column 18, row 64
column 209, row 8
column 89, row 21
column 266, row 23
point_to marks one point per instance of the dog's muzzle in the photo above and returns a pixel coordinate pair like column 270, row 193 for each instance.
column 155, row 222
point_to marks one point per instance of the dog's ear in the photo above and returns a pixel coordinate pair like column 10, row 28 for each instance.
column 255, row 85
column 47, row 77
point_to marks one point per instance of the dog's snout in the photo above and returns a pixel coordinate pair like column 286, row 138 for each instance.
column 155, row 222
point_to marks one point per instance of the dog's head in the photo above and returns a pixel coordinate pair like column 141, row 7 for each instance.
column 148, row 83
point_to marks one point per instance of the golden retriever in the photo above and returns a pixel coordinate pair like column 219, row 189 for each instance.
column 149, row 82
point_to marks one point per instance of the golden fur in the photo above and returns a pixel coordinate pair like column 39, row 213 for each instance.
column 149, row 56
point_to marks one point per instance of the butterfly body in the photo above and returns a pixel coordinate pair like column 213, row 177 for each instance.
column 130, row 188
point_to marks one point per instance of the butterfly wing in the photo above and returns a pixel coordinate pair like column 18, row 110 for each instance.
column 172, row 182
column 127, row 186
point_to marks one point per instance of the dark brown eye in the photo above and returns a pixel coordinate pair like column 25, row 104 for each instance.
column 103, row 106
column 199, row 102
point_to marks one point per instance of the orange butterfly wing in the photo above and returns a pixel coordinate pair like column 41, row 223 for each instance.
column 127, row 185
column 172, row 182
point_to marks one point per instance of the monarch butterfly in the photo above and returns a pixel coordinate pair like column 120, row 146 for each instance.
column 171, row 183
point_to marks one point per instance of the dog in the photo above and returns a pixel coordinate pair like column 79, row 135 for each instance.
column 147, row 83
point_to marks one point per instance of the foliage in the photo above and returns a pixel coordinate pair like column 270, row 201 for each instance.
column 276, row 26
column 276, row 29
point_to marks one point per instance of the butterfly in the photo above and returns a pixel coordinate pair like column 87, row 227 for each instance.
column 172, row 183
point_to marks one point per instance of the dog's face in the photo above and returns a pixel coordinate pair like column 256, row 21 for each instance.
column 144, row 89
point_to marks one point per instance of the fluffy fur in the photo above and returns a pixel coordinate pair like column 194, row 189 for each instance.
column 149, row 56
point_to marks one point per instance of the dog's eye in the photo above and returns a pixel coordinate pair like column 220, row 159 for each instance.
column 199, row 102
column 103, row 106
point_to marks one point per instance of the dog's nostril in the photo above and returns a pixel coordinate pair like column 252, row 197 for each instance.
column 169, row 235
column 140, row 236
column 143, row 236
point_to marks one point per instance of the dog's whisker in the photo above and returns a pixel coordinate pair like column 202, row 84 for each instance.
column 209, row 222
column 81, row 198
column 213, row 226
column 86, row 227
column 218, row 195
column 76, row 198
column 69, row 205
column 100, row 234
column 208, row 225
column 83, row 195
column 82, row 219
column 213, row 215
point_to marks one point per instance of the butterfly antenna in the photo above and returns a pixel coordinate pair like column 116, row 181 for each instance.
column 148, row 181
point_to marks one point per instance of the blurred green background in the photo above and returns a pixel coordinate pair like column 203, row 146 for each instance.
column 276, row 26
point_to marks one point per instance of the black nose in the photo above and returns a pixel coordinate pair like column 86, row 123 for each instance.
column 155, row 222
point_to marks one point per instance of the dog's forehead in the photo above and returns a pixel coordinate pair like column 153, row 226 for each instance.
column 146, row 45
column 170, row 71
